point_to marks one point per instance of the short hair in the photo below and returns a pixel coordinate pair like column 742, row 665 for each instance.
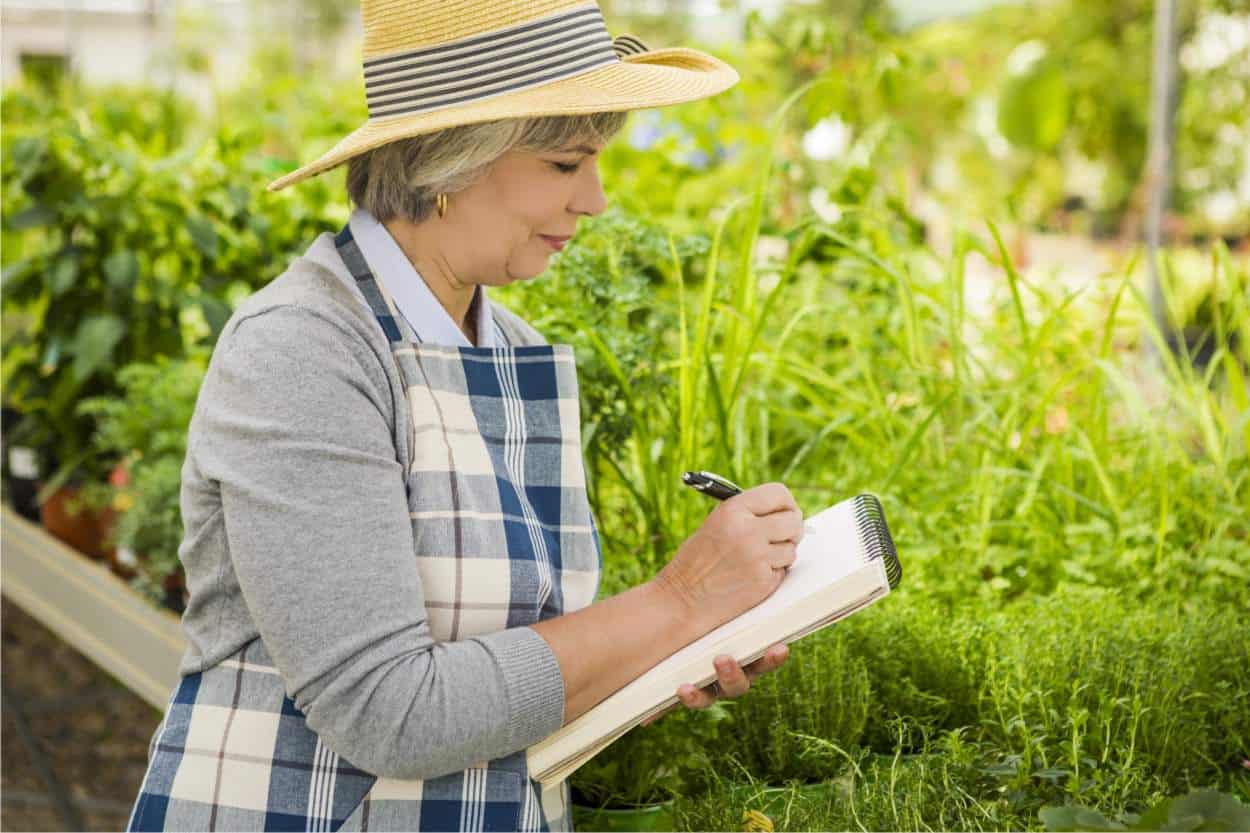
column 402, row 178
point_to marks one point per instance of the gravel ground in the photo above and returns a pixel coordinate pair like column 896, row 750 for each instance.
column 92, row 734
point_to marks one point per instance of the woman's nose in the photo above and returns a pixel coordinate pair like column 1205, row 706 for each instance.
column 589, row 197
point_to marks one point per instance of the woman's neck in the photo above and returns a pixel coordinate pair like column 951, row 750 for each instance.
column 456, row 296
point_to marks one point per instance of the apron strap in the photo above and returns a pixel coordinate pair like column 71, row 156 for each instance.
column 368, row 285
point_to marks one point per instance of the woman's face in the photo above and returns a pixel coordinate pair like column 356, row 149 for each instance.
column 500, row 221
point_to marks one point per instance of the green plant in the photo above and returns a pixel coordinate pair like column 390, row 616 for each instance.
column 1096, row 695
column 944, row 788
column 146, row 428
column 819, row 699
column 120, row 246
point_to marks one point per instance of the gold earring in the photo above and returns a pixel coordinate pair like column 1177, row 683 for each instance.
column 441, row 202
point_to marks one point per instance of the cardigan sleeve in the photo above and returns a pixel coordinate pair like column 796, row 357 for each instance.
column 295, row 424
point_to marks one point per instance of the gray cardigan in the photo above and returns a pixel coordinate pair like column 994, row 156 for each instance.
column 296, row 529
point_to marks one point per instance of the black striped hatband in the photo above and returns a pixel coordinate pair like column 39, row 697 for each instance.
column 484, row 66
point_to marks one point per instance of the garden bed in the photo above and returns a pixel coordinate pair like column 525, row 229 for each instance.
column 88, row 607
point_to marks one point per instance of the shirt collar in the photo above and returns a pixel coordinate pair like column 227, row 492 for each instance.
column 416, row 301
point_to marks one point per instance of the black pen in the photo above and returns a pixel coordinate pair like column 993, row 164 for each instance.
column 712, row 485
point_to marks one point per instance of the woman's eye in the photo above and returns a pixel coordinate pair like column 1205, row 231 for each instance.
column 565, row 167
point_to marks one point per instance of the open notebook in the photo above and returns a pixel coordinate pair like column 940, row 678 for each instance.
column 845, row 562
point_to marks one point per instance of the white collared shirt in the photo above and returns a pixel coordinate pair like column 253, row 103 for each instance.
column 414, row 298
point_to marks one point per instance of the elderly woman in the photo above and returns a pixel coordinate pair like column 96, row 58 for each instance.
column 391, row 557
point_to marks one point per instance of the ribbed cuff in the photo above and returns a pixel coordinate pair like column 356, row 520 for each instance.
column 532, row 680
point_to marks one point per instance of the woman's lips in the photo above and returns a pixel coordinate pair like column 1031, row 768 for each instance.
column 556, row 243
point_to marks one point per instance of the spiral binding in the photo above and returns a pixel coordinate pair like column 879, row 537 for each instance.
column 875, row 534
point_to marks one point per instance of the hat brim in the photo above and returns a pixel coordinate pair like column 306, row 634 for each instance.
column 656, row 78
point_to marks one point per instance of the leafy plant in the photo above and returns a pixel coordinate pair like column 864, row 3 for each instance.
column 819, row 700
column 119, row 247
column 146, row 428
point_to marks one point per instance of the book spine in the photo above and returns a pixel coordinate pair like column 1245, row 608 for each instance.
column 874, row 534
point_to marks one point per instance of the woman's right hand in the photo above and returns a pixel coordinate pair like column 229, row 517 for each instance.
column 738, row 556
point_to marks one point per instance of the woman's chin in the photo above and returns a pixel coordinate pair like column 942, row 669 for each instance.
column 528, row 274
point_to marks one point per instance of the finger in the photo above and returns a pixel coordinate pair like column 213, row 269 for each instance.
column 773, row 659
column 733, row 680
column 786, row 525
column 781, row 555
column 695, row 698
column 767, row 498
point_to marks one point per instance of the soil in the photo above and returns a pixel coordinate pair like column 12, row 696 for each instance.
column 90, row 735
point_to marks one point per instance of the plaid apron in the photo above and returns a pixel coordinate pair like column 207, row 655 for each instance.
column 504, row 537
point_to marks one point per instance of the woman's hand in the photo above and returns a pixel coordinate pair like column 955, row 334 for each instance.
column 736, row 558
column 733, row 561
column 732, row 680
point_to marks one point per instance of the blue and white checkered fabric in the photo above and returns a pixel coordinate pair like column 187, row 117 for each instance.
column 504, row 537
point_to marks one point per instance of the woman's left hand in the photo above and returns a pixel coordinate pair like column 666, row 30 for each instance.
column 732, row 680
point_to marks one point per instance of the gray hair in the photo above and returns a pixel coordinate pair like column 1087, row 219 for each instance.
column 403, row 177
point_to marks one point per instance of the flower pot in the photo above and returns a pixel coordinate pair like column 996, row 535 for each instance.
column 81, row 529
column 649, row 818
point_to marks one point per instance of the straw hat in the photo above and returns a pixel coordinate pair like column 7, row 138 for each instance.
column 433, row 64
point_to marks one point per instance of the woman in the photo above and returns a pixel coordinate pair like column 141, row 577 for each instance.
column 388, row 545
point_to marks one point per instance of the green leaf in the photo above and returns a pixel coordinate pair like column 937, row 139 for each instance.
column 1155, row 818
column 64, row 274
column 1208, row 810
column 1005, row 769
column 51, row 355
column 1228, row 567
column 1052, row 774
column 216, row 313
column 1076, row 817
column 94, row 343
column 28, row 153
column 1033, row 108
column 121, row 268
column 32, row 217
column 60, row 477
column 15, row 274
column 203, row 235
column 1087, row 819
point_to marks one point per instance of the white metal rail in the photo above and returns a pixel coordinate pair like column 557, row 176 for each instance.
column 90, row 608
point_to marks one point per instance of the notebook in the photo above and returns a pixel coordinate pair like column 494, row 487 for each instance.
column 845, row 562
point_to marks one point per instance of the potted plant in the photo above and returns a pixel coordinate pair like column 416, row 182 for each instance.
column 123, row 240
column 145, row 431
